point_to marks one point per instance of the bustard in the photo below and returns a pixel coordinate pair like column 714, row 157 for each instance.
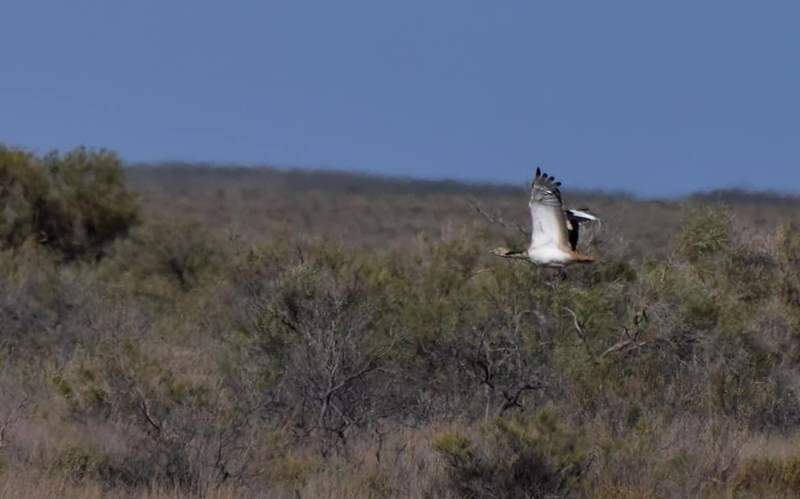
column 554, row 230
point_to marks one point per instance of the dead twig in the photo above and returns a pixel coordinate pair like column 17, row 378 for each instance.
column 630, row 342
column 581, row 335
column 624, row 346
column 512, row 397
column 11, row 419
column 499, row 221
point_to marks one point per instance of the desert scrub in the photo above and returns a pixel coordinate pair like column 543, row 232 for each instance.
column 255, row 314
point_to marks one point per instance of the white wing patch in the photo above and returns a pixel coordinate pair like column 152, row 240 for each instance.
column 548, row 224
column 582, row 216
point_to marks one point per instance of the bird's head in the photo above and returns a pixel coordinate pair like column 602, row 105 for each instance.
column 507, row 253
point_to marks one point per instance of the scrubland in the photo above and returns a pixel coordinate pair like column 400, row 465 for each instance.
column 181, row 331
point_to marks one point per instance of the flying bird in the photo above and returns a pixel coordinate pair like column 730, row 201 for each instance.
column 554, row 232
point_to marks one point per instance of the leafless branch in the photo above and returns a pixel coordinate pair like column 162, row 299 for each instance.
column 581, row 335
column 144, row 407
column 630, row 341
column 512, row 396
column 12, row 418
column 624, row 346
column 499, row 221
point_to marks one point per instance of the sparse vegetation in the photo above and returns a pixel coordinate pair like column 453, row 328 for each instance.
column 199, row 332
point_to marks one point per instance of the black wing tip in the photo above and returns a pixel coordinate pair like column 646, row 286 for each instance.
column 543, row 178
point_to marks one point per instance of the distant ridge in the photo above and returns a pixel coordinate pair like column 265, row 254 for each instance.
column 333, row 180
column 739, row 195
column 322, row 179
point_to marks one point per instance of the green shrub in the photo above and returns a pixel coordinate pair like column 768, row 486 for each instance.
column 24, row 189
column 161, row 259
column 516, row 458
column 769, row 475
column 455, row 447
column 787, row 243
column 78, row 463
column 707, row 232
column 75, row 203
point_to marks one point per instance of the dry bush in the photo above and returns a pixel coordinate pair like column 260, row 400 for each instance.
column 312, row 328
column 162, row 423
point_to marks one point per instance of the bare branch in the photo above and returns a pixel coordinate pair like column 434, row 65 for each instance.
column 624, row 346
column 581, row 335
column 12, row 418
column 499, row 221
column 144, row 407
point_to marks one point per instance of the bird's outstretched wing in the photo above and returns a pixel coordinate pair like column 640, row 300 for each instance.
column 549, row 227
column 574, row 220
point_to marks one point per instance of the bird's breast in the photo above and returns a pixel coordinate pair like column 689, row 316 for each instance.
column 549, row 256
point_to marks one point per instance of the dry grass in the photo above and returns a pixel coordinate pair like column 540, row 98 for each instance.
column 399, row 465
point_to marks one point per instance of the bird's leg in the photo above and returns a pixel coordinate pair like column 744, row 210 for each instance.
column 562, row 274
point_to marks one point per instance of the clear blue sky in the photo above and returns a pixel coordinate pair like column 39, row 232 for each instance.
column 658, row 98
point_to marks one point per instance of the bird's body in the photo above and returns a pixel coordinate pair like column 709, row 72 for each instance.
column 554, row 231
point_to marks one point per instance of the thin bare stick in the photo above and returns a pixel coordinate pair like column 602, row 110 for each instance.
column 498, row 221
column 581, row 335
column 11, row 419
column 625, row 346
